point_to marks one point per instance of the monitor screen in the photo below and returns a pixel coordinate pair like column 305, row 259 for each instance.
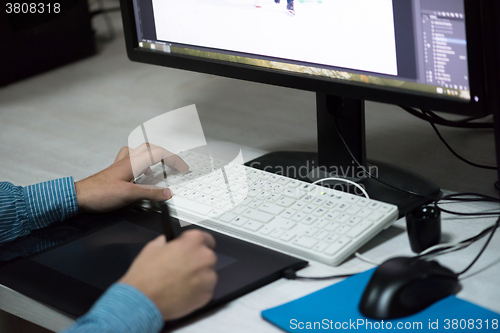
column 416, row 46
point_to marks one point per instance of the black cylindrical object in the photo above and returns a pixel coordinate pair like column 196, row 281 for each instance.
column 424, row 227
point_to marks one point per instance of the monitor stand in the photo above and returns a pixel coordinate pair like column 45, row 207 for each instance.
column 333, row 159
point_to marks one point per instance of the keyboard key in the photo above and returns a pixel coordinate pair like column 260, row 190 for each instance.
column 272, row 198
column 211, row 201
column 337, row 245
column 332, row 226
column 266, row 230
column 375, row 216
column 308, row 198
column 353, row 199
column 283, row 181
column 320, row 247
column 287, row 225
column 174, row 179
column 217, row 181
column 321, row 223
column 239, row 221
column 319, row 212
column 299, row 205
column 253, row 225
column 318, row 201
column 255, row 203
column 385, row 208
column 243, row 190
column 358, row 229
column 305, row 187
column 193, row 195
column 304, row 241
column 365, row 212
column 262, row 195
column 259, row 216
column 329, row 204
column 253, row 192
column 353, row 221
column 277, row 188
column 298, row 217
column 228, row 217
column 363, row 202
column 287, row 236
column 277, row 233
column 321, row 234
column 202, row 198
column 309, row 220
column 342, row 218
column 184, row 193
column 191, row 184
column 285, row 202
column 264, row 175
column 309, row 209
column 288, row 214
column 353, row 210
column 293, row 193
column 342, row 207
column 271, row 209
column 209, row 189
column 331, row 216
column 310, row 231
column 238, row 210
column 215, row 212
column 217, row 192
column 343, row 229
column 331, row 238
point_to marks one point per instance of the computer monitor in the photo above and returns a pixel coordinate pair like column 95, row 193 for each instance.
column 418, row 53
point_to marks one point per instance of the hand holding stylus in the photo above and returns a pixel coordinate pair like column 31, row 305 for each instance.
column 178, row 276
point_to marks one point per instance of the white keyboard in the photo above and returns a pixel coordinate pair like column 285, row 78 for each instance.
column 287, row 215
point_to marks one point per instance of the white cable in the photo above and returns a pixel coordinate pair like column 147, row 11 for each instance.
column 365, row 259
column 444, row 245
column 347, row 181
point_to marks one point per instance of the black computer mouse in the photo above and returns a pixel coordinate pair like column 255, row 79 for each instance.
column 403, row 286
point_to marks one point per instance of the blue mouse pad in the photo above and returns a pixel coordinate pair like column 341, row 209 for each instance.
column 335, row 308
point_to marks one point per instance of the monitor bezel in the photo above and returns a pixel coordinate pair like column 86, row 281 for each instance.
column 340, row 88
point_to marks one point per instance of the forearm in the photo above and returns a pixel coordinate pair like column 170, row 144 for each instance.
column 122, row 309
column 23, row 209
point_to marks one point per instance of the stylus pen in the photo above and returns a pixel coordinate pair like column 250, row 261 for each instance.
column 166, row 221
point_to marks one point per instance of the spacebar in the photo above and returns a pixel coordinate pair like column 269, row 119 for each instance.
column 180, row 203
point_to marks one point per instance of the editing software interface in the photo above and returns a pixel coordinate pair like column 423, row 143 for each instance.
column 408, row 45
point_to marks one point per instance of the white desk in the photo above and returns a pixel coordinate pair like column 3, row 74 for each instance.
column 243, row 315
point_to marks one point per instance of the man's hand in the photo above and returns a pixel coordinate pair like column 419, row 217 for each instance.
column 178, row 276
column 112, row 188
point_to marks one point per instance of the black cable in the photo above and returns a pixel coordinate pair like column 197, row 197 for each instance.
column 462, row 123
column 365, row 170
column 467, row 197
column 465, row 121
column 497, row 224
column 453, row 151
column 469, row 241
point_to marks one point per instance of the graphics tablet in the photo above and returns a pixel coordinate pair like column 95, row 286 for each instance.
column 69, row 265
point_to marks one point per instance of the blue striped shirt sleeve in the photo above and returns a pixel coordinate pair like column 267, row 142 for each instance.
column 122, row 309
column 23, row 209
